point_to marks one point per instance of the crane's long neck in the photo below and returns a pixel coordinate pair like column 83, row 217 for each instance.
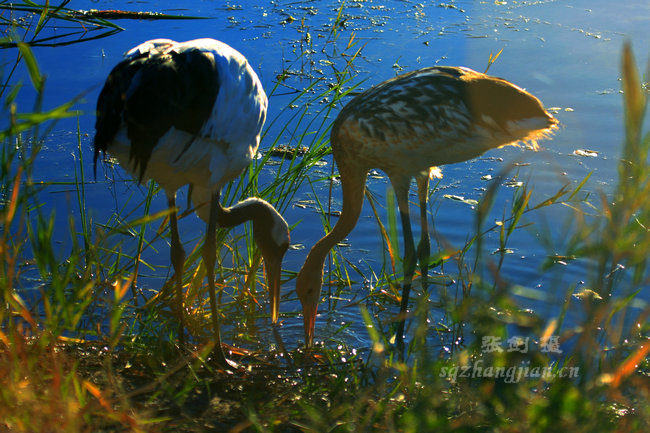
column 250, row 209
column 353, row 183
column 270, row 230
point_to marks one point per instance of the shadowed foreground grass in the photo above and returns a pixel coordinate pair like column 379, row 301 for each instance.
column 79, row 351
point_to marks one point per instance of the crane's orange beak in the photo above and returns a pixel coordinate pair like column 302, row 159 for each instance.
column 309, row 316
column 273, row 272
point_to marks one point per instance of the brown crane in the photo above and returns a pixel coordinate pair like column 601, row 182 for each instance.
column 406, row 126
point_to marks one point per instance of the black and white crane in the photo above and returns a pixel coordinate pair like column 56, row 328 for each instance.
column 192, row 113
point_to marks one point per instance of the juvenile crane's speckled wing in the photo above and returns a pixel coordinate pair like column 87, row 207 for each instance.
column 406, row 103
column 435, row 116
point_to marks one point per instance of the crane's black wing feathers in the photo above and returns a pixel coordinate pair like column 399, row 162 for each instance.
column 150, row 93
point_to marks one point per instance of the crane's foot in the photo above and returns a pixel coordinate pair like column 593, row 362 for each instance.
column 218, row 357
column 181, row 335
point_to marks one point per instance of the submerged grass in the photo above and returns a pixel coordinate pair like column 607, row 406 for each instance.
column 91, row 349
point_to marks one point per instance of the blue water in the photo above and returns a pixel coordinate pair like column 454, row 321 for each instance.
column 566, row 53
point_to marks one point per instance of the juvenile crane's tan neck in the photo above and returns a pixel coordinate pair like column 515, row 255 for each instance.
column 353, row 183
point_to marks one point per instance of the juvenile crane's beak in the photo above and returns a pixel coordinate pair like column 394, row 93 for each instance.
column 308, row 287
column 273, row 271
column 309, row 316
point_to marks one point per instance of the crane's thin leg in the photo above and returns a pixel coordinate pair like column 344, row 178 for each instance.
column 209, row 260
column 424, row 249
column 189, row 196
column 401, row 187
column 178, row 261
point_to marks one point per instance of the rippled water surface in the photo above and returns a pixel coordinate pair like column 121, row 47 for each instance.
column 565, row 52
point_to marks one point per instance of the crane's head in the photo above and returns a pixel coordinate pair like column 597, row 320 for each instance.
column 271, row 234
column 308, row 287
